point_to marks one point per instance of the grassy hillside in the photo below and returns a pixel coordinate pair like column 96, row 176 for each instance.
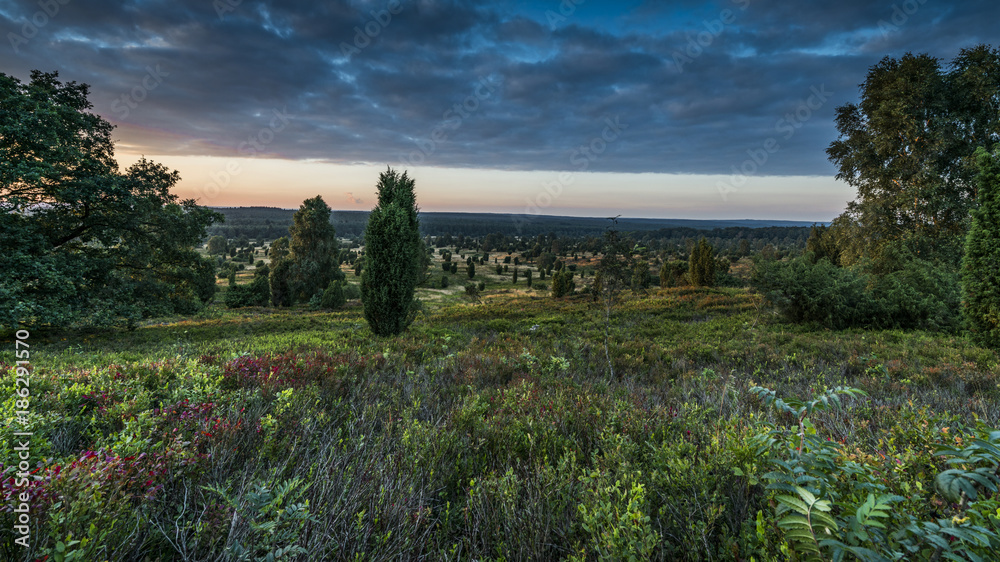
column 491, row 430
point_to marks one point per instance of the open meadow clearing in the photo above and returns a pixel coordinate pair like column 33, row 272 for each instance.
column 489, row 430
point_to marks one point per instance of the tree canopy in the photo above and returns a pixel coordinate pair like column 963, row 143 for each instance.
column 82, row 242
column 907, row 147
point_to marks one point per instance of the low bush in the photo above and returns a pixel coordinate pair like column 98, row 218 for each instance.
column 256, row 293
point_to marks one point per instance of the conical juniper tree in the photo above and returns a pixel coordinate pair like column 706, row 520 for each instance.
column 981, row 263
column 394, row 256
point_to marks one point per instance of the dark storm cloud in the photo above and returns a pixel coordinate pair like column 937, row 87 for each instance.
column 696, row 86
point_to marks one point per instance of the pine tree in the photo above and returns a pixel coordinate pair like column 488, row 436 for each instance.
column 394, row 256
column 981, row 263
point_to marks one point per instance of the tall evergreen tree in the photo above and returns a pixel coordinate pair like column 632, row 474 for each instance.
column 313, row 250
column 394, row 256
column 981, row 263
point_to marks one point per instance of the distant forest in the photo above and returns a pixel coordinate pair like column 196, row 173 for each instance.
column 264, row 224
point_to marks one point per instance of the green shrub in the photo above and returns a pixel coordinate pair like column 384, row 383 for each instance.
column 830, row 506
column 270, row 521
column 256, row 293
column 279, row 280
column 702, row 264
column 562, row 283
column 333, row 296
column 352, row 292
column 920, row 295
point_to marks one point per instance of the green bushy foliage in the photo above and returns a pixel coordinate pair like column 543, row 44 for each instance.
column 352, row 292
column 702, row 264
column 830, row 507
column 274, row 519
column 394, row 256
column 333, row 297
column 280, row 283
column 256, row 293
column 85, row 243
column 472, row 291
column 673, row 273
column 563, row 284
column 313, row 252
column 920, row 295
column 981, row 264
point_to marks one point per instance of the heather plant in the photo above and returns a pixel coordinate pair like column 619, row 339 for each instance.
column 493, row 431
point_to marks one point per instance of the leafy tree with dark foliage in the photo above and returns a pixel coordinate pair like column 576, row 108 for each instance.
column 981, row 263
column 907, row 147
column 82, row 243
column 279, row 248
column 394, row 256
column 279, row 281
column 217, row 246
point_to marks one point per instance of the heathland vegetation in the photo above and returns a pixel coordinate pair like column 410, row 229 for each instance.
column 391, row 394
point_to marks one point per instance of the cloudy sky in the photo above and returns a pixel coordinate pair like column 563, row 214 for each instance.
column 646, row 108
